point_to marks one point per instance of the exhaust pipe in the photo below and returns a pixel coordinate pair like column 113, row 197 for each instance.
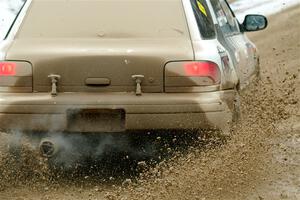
column 48, row 148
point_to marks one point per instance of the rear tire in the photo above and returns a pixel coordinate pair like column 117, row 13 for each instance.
column 235, row 116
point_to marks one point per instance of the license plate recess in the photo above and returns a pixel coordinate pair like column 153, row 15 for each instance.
column 96, row 120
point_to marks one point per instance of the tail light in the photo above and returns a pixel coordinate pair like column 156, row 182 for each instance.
column 15, row 76
column 192, row 76
column 203, row 69
column 7, row 68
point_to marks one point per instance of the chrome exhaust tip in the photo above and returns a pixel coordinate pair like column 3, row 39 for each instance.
column 48, row 148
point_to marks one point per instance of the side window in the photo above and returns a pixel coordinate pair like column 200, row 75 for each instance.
column 226, row 19
column 204, row 19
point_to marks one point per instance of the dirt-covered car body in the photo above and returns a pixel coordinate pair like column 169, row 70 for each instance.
column 117, row 65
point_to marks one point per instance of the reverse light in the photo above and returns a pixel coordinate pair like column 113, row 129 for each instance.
column 203, row 69
column 7, row 68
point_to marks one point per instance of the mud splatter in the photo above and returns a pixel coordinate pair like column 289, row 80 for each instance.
column 260, row 160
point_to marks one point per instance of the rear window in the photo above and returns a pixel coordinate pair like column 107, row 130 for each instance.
column 9, row 10
column 105, row 18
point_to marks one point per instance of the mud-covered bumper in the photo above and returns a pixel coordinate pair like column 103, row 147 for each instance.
column 42, row 112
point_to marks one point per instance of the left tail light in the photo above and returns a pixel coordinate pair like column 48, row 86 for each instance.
column 15, row 76
column 192, row 76
column 8, row 69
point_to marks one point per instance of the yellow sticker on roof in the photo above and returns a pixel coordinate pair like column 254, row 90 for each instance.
column 201, row 8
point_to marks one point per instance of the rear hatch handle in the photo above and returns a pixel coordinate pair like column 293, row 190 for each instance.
column 97, row 81
column 54, row 81
column 138, row 80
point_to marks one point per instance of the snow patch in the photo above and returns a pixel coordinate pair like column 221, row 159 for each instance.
column 263, row 7
column 8, row 11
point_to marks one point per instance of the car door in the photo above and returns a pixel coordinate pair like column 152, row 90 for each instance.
column 242, row 50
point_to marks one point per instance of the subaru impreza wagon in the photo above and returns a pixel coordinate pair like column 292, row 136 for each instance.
column 117, row 65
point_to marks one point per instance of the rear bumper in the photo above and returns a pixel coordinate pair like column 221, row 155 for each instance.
column 41, row 112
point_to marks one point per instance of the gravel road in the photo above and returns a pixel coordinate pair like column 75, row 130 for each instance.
column 260, row 160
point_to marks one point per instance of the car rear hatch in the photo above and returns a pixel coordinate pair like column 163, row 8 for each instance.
column 100, row 50
column 103, row 65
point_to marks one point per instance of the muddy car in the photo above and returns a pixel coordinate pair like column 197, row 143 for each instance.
column 120, row 65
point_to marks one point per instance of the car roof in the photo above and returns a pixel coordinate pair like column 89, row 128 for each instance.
column 110, row 18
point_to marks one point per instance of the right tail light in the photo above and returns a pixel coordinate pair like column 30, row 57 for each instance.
column 192, row 76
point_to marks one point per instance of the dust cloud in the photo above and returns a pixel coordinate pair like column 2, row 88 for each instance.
column 259, row 160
